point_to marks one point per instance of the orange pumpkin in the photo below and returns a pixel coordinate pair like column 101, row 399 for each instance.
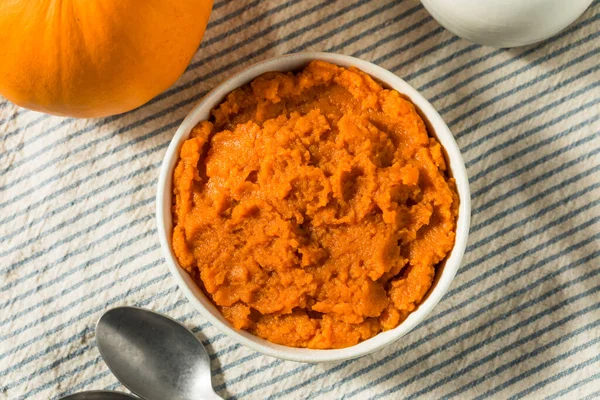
column 93, row 58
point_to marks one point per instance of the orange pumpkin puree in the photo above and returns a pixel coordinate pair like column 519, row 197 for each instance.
column 313, row 207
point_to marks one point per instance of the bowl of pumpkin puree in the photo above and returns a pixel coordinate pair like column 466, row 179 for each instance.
column 314, row 207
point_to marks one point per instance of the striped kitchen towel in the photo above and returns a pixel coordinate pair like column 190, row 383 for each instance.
column 522, row 318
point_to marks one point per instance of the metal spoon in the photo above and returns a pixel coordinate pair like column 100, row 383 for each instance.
column 99, row 395
column 154, row 356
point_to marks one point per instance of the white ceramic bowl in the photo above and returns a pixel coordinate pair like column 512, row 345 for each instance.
column 506, row 23
column 206, row 307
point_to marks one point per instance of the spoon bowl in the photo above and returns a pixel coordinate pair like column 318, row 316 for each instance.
column 153, row 355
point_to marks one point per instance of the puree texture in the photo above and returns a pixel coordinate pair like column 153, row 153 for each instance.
column 313, row 207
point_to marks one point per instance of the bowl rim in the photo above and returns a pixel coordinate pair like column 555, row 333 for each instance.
column 205, row 306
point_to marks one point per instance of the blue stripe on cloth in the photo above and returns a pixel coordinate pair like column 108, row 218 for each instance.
column 478, row 125
column 103, row 272
column 445, row 77
column 521, row 87
column 488, row 273
column 347, row 26
column 527, row 117
column 89, row 161
column 49, row 367
column 594, row 395
column 540, row 143
column 542, row 177
column 33, row 139
column 82, row 266
column 574, row 386
column 69, row 238
column 53, row 382
column 224, row 351
column 272, row 381
column 68, row 222
column 8, row 120
column 316, row 377
column 556, row 377
column 23, row 128
column 239, row 362
column 77, row 200
column 562, row 202
column 524, row 357
column 401, row 33
column 219, row 4
column 228, row 17
column 500, row 352
column 97, row 174
column 78, row 268
column 87, row 296
column 368, row 32
column 248, row 374
column 553, row 189
column 540, row 128
column 87, row 330
column 441, row 62
column 82, row 384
